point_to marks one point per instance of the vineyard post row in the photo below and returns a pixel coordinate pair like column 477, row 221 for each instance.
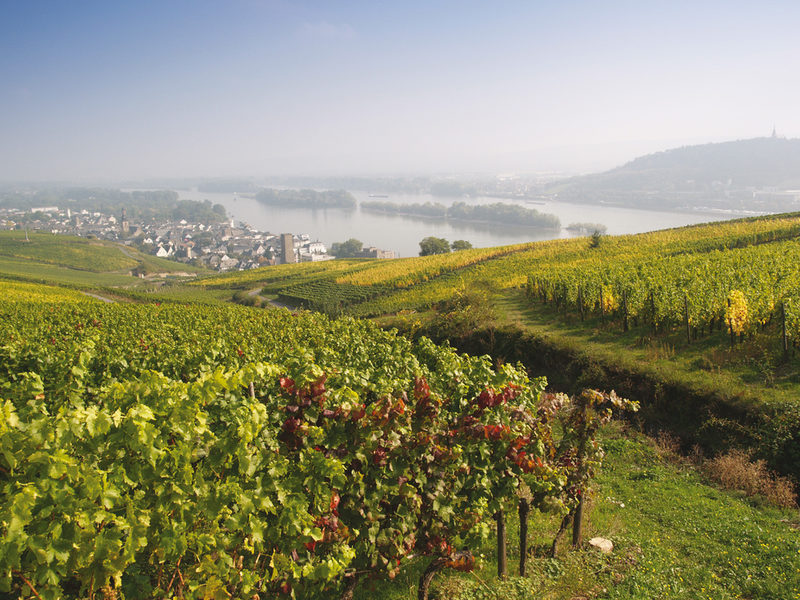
column 734, row 315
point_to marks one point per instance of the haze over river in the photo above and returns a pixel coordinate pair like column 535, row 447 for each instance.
column 403, row 234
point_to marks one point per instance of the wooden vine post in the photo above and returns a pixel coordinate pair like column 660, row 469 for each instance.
column 625, row 311
column 580, row 301
column 577, row 522
column 524, row 511
column 686, row 318
column 783, row 331
column 502, row 565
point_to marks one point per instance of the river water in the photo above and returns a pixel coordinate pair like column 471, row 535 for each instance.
column 402, row 234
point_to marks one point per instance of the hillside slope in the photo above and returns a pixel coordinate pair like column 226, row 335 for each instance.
column 742, row 174
column 77, row 261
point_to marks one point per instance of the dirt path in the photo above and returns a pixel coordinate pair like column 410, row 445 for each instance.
column 274, row 303
column 98, row 297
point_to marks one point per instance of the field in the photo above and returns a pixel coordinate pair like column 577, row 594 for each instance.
column 371, row 288
column 138, row 438
column 704, row 317
column 64, row 251
column 337, row 286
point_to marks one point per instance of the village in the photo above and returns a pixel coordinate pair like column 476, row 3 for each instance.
column 223, row 246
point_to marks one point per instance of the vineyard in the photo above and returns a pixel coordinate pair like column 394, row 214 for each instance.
column 197, row 452
column 662, row 279
column 665, row 279
column 741, row 289
column 81, row 254
column 340, row 285
column 278, row 275
column 17, row 291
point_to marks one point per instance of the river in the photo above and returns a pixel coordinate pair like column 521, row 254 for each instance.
column 402, row 234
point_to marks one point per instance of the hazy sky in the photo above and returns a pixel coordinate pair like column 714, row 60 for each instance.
column 258, row 87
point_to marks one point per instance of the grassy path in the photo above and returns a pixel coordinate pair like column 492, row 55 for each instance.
column 706, row 366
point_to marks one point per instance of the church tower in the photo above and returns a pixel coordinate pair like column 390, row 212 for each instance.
column 124, row 225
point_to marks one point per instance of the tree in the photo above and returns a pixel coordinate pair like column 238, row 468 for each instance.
column 348, row 249
column 433, row 245
column 460, row 245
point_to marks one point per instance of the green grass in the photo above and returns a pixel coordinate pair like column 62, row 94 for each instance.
column 180, row 292
column 66, row 251
column 755, row 368
column 675, row 536
column 35, row 271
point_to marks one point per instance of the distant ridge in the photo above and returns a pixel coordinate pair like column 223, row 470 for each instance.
column 753, row 174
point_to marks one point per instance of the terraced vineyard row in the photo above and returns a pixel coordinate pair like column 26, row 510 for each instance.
column 325, row 295
column 288, row 274
column 13, row 292
column 348, row 282
column 740, row 289
column 404, row 272
column 373, row 287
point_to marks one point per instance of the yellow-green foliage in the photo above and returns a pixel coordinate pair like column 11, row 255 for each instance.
column 736, row 311
column 670, row 287
column 16, row 291
column 641, row 262
column 404, row 272
column 696, row 266
column 290, row 274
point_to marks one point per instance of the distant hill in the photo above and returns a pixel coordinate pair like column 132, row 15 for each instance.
column 83, row 262
column 752, row 174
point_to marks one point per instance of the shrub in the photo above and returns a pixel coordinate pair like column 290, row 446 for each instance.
column 735, row 471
